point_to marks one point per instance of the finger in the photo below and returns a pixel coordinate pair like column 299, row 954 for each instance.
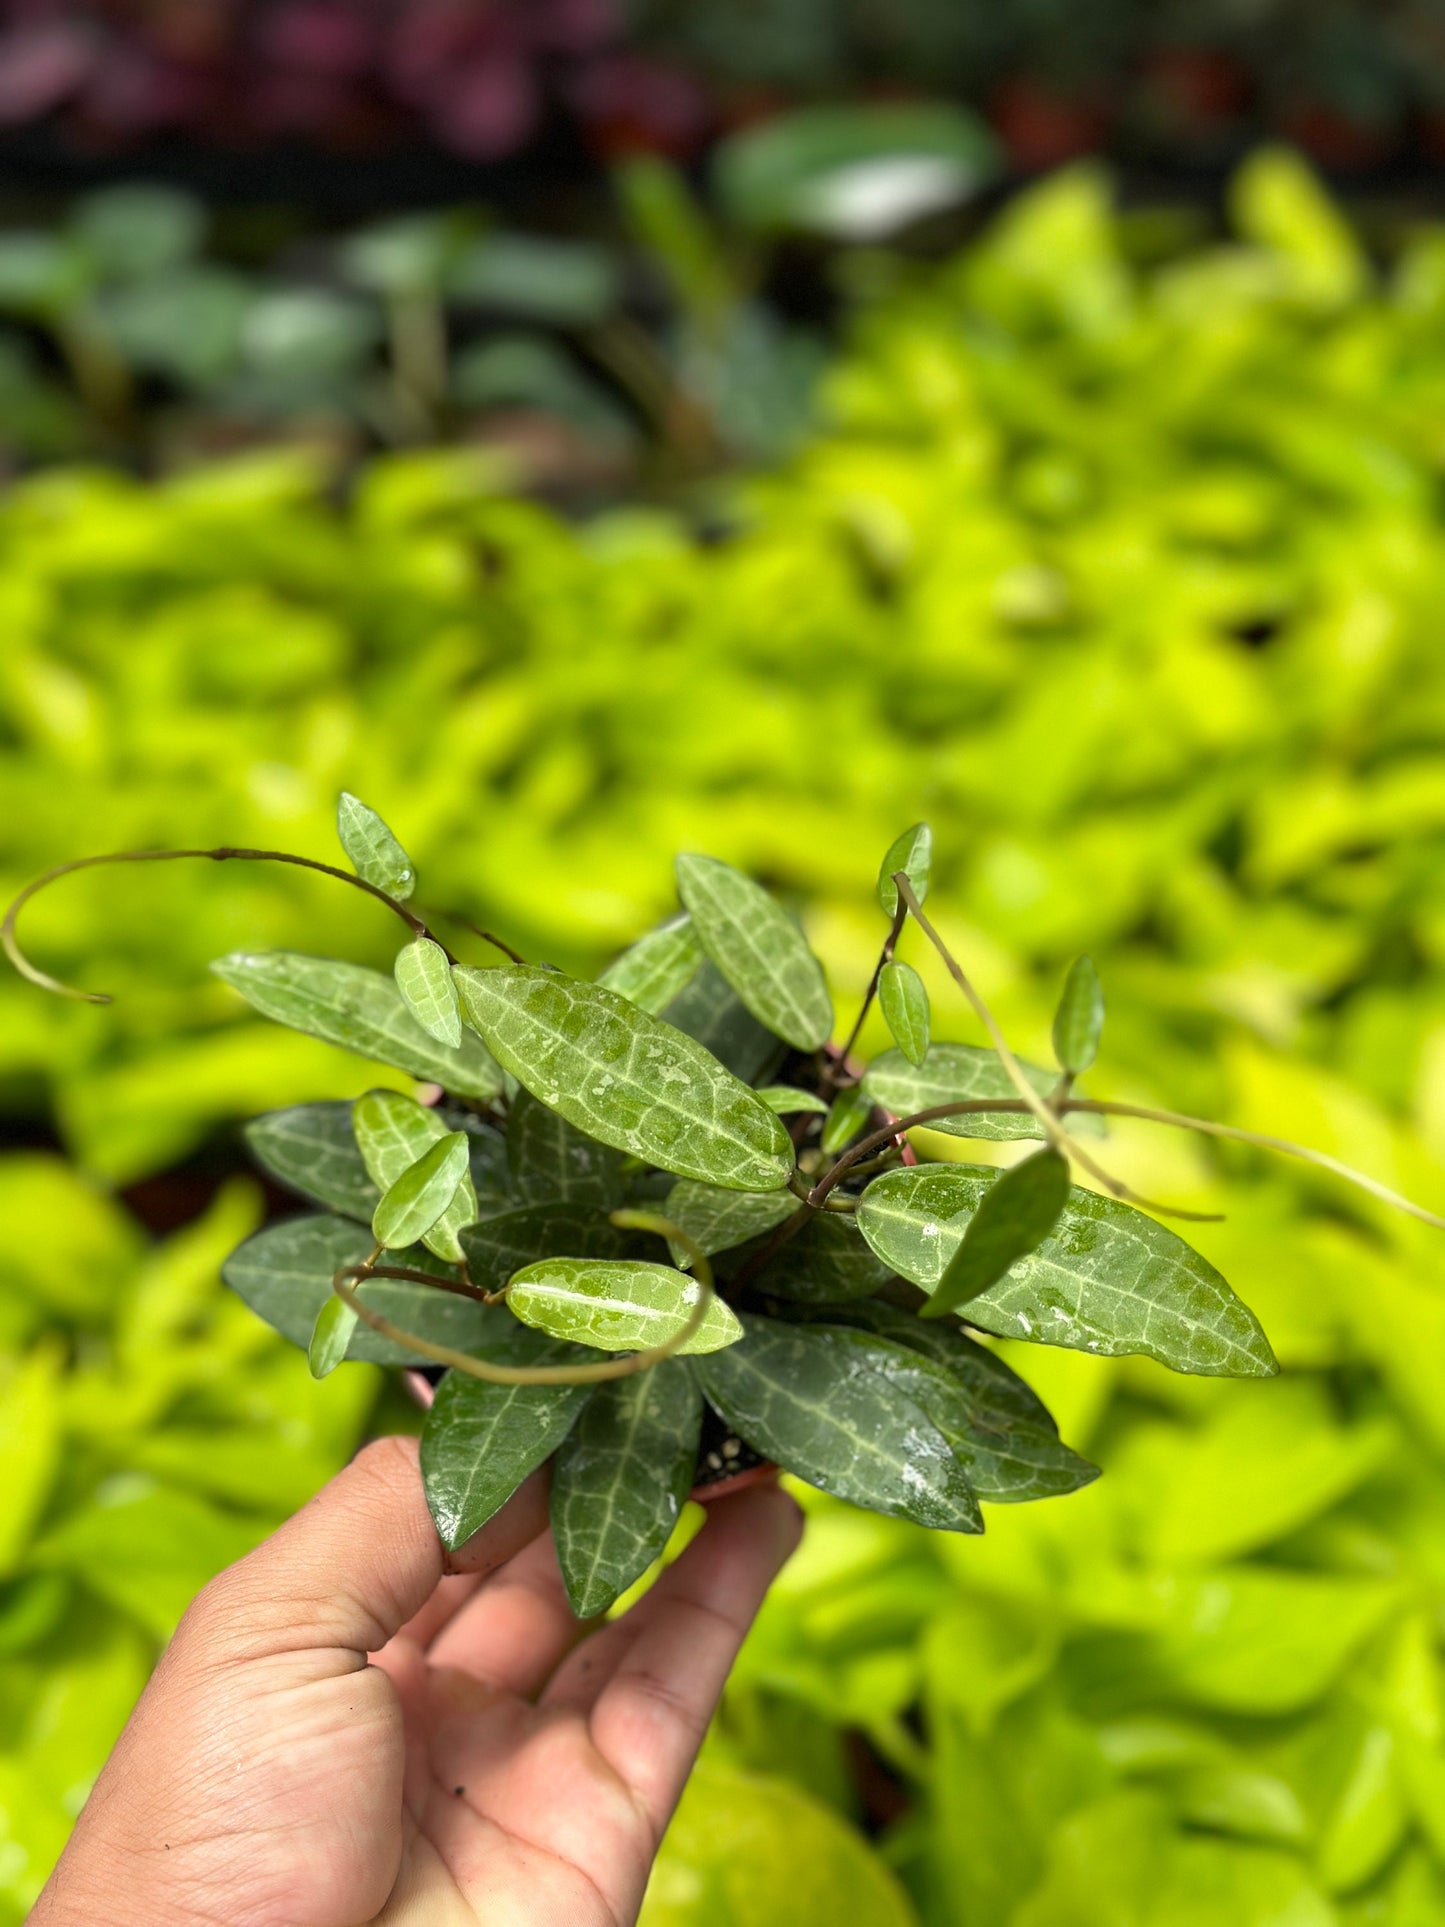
column 516, row 1628
column 522, row 1519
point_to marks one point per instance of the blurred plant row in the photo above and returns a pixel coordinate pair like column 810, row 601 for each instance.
column 1128, row 578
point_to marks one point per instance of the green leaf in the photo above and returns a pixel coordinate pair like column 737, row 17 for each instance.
column 510, row 1240
column 1079, row 1019
column 1014, row 1216
column 627, row 1078
column 312, row 1149
column 954, row 1074
column 424, row 978
column 827, row 1263
column 360, row 1009
column 480, row 1441
column 708, row 1009
column 284, row 1274
column 786, row 1101
column 617, row 1306
column 392, row 1131
column 903, row 1000
column 619, row 1481
column 759, row 949
column 375, row 854
column 336, row 1322
column 717, row 1219
column 1109, row 1280
column 657, row 966
column 847, row 1116
column 795, row 1397
column 548, row 1158
column 912, row 852
column 410, row 1207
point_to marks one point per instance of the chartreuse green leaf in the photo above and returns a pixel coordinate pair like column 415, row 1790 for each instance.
column 510, row 1240
column 717, row 1220
column 312, row 1149
column 411, row 1206
column 1108, row 1280
column 375, row 854
column 1014, row 1216
column 619, row 1480
column 1079, row 1019
column 954, row 1074
column 361, row 1010
column 912, row 852
column 550, row 1158
column 626, row 1078
column 657, row 966
column 424, row 978
column 847, row 1116
column 392, row 1131
column 786, row 1101
column 330, row 1335
column 759, row 949
column 796, row 1398
column 622, row 1306
column 903, row 999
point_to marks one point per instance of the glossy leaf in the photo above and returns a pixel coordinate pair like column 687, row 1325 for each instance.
column 549, row 1158
column 336, row 1323
column 424, row 978
column 827, row 1263
column 788, row 1101
column 1014, row 1216
column 903, row 999
column 619, row 1481
column 1079, row 1019
column 953, row 1074
column 847, row 1117
column 360, row 1009
column 375, row 854
column 508, row 1241
column 284, row 1274
column 708, row 1009
column 410, row 1207
column 656, row 967
column 627, row 1078
column 312, row 1149
column 912, row 852
column 759, row 949
column 392, row 1131
column 1109, row 1280
column 717, row 1219
column 799, row 1400
column 621, row 1306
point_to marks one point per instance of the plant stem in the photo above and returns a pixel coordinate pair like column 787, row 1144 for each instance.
column 835, row 1073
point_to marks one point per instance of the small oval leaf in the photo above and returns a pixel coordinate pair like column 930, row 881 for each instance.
column 424, row 978
column 330, row 1335
column 954, row 1074
column 912, row 852
column 759, row 949
column 392, row 1131
column 903, row 999
column 1079, row 1020
column 848, row 1116
column 375, row 854
column 412, row 1205
column 1014, row 1216
column 657, row 966
column 787, row 1101
column 627, row 1306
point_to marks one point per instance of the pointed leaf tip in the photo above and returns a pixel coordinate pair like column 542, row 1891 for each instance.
column 1015, row 1215
column 376, row 855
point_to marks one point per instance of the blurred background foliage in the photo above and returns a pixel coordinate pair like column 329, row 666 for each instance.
column 1109, row 540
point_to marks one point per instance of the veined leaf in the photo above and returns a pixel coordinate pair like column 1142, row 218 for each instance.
column 847, row 1116
column 1109, row 1280
column 657, row 966
column 619, row 1481
column 361, row 1010
column 708, row 1009
column 424, row 978
column 912, row 852
column 549, row 1158
column 626, row 1078
column 1014, row 1216
column 803, row 1402
column 623, row 1306
column 511, row 1240
column 392, row 1131
column 284, row 1274
column 312, row 1149
column 410, row 1207
column 786, row 1101
column 1079, row 1019
column 375, row 854
column 330, row 1335
column 828, row 1263
column 718, row 1219
column 759, row 949
column 903, row 999
column 954, row 1074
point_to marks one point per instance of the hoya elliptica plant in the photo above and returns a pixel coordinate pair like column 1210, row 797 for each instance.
column 657, row 1226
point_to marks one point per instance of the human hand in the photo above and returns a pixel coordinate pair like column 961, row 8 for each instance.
column 484, row 1766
